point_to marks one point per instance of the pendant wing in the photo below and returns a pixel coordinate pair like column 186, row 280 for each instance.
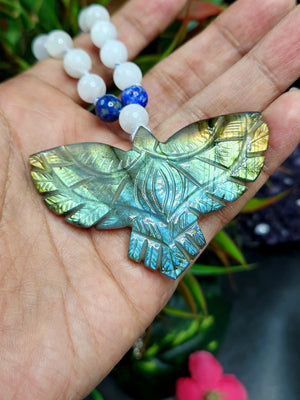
column 85, row 181
column 217, row 157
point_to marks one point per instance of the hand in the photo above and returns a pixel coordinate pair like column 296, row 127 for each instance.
column 71, row 301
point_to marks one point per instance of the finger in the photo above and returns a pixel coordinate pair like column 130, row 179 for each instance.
column 138, row 22
column 283, row 119
column 253, row 82
column 216, row 49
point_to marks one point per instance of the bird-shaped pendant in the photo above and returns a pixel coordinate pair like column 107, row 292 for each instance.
column 159, row 189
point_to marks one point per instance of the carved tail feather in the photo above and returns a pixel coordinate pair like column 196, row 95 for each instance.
column 172, row 258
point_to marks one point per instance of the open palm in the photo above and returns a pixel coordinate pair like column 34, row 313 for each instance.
column 72, row 303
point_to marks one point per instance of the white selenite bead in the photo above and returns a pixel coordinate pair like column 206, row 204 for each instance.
column 38, row 47
column 91, row 86
column 113, row 52
column 82, row 20
column 127, row 74
column 58, row 42
column 133, row 116
column 77, row 62
column 102, row 31
column 95, row 12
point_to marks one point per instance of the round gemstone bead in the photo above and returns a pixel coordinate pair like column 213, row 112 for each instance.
column 82, row 21
column 91, row 86
column 133, row 116
column 108, row 108
column 38, row 47
column 113, row 52
column 102, row 31
column 57, row 43
column 127, row 74
column 135, row 94
column 95, row 12
column 77, row 62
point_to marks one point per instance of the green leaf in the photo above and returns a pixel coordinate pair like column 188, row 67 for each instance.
column 11, row 8
column 153, row 367
column 177, row 312
column 14, row 57
column 210, row 270
column 178, row 38
column 96, row 395
column 188, row 296
column 183, row 336
column 196, row 291
column 200, row 11
column 256, row 203
column 33, row 6
column 11, row 36
column 147, row 61
column 227, row 244
column 216, row 2
column 49, row 16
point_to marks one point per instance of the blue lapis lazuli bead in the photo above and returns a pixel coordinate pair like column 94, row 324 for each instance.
column 135, row 94
column 108, row 108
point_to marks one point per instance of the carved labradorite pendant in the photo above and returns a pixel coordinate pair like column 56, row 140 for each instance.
column 158, row 189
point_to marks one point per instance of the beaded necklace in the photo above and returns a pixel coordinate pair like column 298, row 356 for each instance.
column 127, row 76
column 159, row 189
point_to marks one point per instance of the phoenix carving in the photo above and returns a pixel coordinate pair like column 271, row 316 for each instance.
column 159, row 189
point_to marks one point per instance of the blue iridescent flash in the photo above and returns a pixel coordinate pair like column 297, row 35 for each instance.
column 135, row 94
column 108, row 108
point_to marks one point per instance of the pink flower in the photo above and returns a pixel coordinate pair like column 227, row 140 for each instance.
column 208, row 382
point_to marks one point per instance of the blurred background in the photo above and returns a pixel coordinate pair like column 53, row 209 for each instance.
column 240, row 301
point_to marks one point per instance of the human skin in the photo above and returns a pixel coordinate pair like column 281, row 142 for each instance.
column 71, row 302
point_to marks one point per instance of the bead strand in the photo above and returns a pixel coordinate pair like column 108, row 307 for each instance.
column 127, row 76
